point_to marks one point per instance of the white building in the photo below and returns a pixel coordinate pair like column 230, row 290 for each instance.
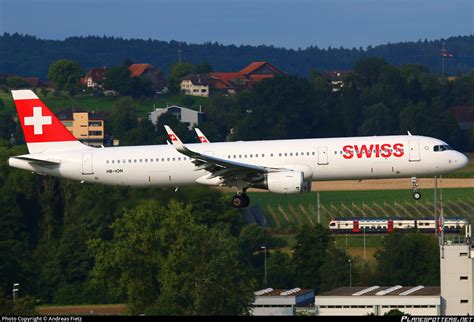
column 457, row 285
column 196, row 85
column 281, row 302
column 378, row 300
column 184, row 115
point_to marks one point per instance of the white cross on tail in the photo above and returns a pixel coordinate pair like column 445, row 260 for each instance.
column 38, row 120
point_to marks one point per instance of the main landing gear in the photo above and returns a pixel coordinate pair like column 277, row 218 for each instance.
column 240, row 200
column 416, row 193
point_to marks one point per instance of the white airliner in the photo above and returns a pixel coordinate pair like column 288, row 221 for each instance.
column 279, row 166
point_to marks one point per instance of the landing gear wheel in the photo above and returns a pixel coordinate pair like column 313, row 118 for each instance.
column 240, row 201
column 416, row 195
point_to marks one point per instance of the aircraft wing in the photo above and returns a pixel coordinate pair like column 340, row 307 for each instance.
column 230, row 172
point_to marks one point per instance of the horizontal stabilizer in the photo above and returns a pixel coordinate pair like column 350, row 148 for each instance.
column 37, row 160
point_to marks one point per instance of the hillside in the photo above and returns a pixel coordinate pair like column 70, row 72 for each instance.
column 29, row 56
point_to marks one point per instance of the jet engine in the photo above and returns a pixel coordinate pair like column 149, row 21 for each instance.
column 283, row 182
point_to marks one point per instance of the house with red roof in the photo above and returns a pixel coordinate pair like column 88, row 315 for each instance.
column 149, row 72
column 229, row 83
column 94, row 78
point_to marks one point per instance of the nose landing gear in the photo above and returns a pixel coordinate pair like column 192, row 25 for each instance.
column 416, row 193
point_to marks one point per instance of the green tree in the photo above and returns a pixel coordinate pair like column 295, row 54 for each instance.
column 177, row 72
column 7, row 124
column 15, row 82
column 280, row 270
column 149, row 259
column 396, row 264
column 309, row 255
column 65, row 75
column 24, row 306
column 335, row 270
column 118, row 79
column 378, row 120
column 123, row 117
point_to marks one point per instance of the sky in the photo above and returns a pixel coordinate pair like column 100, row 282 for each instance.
column 281, row 23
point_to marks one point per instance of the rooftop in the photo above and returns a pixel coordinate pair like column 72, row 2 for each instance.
column 279, row 292
column 67, row 114
column 376, row 290
column 138, row 69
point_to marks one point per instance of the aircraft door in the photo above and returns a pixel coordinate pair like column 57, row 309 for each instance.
column 323, row 155
column 87, row 163
column 162, row 178
column 414, row 152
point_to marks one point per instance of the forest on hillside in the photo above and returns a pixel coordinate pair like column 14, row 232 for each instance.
column 30, row 56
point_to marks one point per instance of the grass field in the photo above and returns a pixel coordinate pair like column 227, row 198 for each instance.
column 105, row 104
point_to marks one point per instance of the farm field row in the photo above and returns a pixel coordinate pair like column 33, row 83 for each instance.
column 290, row 211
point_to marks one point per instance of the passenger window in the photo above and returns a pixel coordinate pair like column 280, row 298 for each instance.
column 256, row 155
column 271, row 155
column 263, row 155
column 141, row 160
column 135, row 160
column 279, row 154
column 168, row 159
column 157, row 159
column 313, row 153
column 129, row 161
column 146, row 160
column 291, row 154
column 285, row 154
column 174, row 159
column 107, row 162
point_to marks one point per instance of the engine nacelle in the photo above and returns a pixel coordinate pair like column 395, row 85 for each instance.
column 284, row 182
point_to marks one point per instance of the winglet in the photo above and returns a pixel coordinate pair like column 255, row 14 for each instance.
column 201, row 136
column 409, row 133
column 175, row 140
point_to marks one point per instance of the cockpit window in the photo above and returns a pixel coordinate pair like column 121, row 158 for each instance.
column 444, row 147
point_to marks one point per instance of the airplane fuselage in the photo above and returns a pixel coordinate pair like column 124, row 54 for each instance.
column 319, row 159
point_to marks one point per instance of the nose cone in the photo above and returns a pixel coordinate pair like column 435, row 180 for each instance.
column 462, row 160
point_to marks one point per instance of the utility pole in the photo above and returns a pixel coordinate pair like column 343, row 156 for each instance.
column 319, row 209
column 265, row 264
column 443, row 54
column 350, row 272
column 179, row 53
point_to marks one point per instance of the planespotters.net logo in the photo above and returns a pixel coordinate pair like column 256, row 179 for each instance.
column 437, row 319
